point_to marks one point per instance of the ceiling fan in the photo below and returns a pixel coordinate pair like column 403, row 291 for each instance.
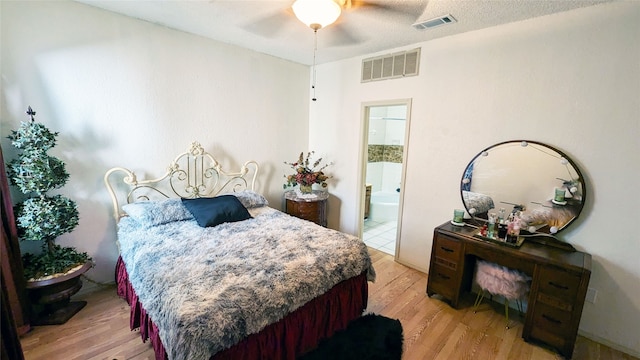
column 318, row 14
column 333, row 15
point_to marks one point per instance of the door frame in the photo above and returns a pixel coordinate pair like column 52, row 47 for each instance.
column 364, row 143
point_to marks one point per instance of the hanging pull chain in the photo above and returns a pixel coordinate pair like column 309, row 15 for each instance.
column 315, row 49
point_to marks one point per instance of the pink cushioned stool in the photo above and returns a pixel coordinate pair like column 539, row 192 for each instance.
column 500, row 280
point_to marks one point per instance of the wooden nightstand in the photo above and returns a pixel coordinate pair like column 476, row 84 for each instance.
column 312, row 209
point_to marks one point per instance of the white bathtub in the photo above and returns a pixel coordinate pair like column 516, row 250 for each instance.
column 384, row 206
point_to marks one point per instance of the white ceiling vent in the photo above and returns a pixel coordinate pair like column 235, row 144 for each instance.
column 391, row 66
column 442, row 20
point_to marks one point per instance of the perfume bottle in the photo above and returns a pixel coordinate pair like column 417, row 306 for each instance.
column 513, row 229
column 483, row 230
column 502, row 224
column 491, row 227
column 501, row 215
column 502, row 230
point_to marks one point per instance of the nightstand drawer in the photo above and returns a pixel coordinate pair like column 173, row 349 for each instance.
column 559, row 284
column 306, row 210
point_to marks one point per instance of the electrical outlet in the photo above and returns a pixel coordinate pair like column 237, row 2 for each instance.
column 592, row 295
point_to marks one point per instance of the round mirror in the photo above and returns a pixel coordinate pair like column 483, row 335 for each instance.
column 529, row 177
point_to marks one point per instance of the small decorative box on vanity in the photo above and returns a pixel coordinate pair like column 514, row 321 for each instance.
column 312, row 207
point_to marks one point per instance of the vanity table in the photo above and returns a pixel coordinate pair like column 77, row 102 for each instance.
column 520, row 177
column 559, row 284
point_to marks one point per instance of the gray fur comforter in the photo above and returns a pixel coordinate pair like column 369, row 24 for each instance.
column 207, row 288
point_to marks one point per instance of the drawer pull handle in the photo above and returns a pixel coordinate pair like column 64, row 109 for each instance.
column 444, row 276
column 558, row 286
column 446, row 249
column 550, row 319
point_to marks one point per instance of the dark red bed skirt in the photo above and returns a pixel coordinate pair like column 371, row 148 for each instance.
column 288, row 338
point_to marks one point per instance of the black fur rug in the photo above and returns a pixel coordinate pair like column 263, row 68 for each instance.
column 371, row 337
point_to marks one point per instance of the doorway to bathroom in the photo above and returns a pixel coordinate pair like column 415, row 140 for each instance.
column 384, row 153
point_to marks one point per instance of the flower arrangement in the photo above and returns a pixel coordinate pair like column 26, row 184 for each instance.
column 307, row 174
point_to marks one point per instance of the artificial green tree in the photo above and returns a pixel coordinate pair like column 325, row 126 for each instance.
column 42, row 217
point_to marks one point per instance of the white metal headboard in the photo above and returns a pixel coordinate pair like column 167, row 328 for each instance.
column 192, row 174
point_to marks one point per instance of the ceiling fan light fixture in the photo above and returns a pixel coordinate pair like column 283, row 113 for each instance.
column 316, row 14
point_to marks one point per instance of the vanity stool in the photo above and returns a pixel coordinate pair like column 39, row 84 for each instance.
column 500, row 280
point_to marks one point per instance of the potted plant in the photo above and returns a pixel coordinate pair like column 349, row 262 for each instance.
column 53, row 274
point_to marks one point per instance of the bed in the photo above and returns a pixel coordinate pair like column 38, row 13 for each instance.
column 210, row 271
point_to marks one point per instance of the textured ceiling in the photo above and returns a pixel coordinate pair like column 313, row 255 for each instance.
column 269, row 26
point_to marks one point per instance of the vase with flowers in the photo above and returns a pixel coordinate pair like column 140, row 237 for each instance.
column 307, row 173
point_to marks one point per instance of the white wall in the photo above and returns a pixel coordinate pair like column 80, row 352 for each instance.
column 123, row 92
column 571, row 80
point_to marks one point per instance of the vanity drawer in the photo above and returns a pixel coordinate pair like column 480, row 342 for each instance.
column 559, row 284
column 442, row 280
column 552, row 326
column 447, row 248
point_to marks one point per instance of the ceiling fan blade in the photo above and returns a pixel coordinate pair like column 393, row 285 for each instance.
column 409, row 9
column 339, row 35
column 271, row 25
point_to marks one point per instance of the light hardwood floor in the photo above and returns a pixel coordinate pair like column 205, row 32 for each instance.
column 432, row 329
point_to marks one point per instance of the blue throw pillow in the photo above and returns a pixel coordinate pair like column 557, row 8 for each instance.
column 210, row 212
